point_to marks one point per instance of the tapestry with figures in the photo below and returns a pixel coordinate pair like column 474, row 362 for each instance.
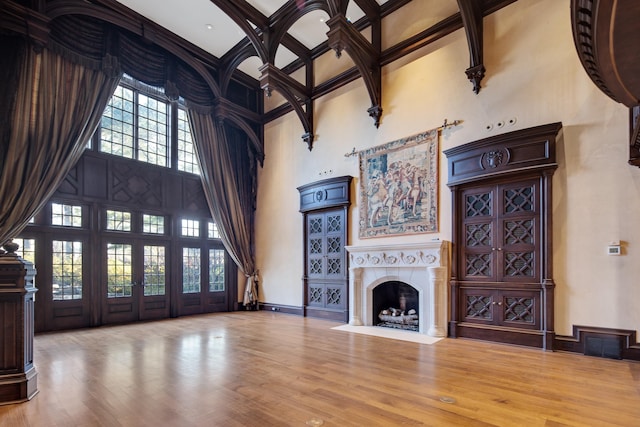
column 399, row 186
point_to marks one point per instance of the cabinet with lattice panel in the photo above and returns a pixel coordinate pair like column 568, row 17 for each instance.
column 324, row 205
column 501, row 281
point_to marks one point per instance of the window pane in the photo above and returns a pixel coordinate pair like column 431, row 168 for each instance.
column 152, row 131
column 66, row 215
column 190, row 270
column 118, row 220
column 187, row 159
column 216, row 270
column 153, row 224
column 26, row 249
column 116, row 127
column 67, row 270
column 213, row 231
column 190, row 228
column 119, row 273
column 154, row 270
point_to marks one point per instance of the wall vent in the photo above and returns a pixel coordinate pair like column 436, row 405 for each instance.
column 603, row 346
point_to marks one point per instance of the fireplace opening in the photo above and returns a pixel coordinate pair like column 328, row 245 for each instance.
column 396, row 305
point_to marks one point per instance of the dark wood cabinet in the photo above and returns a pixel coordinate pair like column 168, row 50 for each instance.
column 324, row 205
column 502, row 285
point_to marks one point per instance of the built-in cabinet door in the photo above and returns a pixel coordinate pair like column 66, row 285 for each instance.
column 327, row 295
column 517, row 308
column 500, row 228
column 325, row 245
column 326, row 259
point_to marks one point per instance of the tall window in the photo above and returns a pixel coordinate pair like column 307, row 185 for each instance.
column 187, row 159
column 136, row 125
column 116, row 129
column 67, row 270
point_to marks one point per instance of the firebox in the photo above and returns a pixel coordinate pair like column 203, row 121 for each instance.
column 396, row 305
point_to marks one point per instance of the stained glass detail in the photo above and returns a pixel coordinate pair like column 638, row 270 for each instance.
column 478, row 265
column 315, row 246
column 315, row 226
column 334, row 223
column 479, row 306
column 334, row 245
column 518, row 200
column 519, row 232
column 519, row 264
column 315, row 266
column 315, row 295
column 519, row 309
column 333, row 266
column 478, row 205
column 478, row 234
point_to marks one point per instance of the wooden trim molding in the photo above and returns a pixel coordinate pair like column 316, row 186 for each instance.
column 288, row 309
column 625, row 340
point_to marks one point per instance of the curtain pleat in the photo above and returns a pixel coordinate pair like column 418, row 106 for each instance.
column 225, row 181
column 56, row 109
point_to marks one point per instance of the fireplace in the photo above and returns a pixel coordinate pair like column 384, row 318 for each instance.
column 422, row 267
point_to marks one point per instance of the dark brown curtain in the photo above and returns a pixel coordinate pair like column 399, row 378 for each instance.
column 227, row 186
column 56, row 107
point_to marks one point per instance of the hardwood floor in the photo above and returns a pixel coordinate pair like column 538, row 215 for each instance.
column 272, row 369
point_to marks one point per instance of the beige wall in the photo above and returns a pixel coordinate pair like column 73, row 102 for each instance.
column 533, row 75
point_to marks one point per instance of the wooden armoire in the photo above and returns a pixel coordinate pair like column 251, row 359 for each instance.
column 502, row 279
column 325, row 205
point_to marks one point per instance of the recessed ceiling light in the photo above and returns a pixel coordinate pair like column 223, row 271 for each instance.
column 209, row 27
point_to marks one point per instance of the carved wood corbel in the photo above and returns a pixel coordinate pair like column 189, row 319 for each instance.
column 471, row 12
column 295, row 93
column 343, row 36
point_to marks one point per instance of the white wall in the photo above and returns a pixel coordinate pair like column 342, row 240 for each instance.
column 533, row 75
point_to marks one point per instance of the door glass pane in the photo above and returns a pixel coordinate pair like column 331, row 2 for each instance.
column 119, row 270
column 216, row 270
column 154, row 270
column 190, row 270
column 66, row 263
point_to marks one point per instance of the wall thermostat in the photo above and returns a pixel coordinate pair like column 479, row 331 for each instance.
column 613, row 250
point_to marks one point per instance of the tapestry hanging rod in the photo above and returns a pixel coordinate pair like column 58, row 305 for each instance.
column 444, row 126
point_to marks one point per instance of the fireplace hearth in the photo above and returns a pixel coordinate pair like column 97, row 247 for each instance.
column 422, row 267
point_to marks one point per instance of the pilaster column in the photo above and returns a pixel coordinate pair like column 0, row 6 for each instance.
column 438, row 294
column 355, row 296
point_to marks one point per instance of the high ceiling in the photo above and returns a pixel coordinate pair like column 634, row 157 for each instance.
column 207, row 26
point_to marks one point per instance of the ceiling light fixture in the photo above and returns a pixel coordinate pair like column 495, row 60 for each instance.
column 209, row 27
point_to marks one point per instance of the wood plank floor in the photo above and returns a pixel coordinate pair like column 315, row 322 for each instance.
column 272, row 369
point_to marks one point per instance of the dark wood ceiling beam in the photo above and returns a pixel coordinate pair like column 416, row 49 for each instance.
column 237, row 12
column 343, row 36
column 370, row 8
column 294, row 92
column 472, row 18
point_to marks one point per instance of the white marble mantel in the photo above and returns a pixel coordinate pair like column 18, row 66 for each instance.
column 424, row 266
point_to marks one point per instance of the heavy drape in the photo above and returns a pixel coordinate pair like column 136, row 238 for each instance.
column 56, row 107
column 227, row 187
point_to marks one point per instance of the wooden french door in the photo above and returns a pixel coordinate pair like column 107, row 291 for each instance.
column 135, row 280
